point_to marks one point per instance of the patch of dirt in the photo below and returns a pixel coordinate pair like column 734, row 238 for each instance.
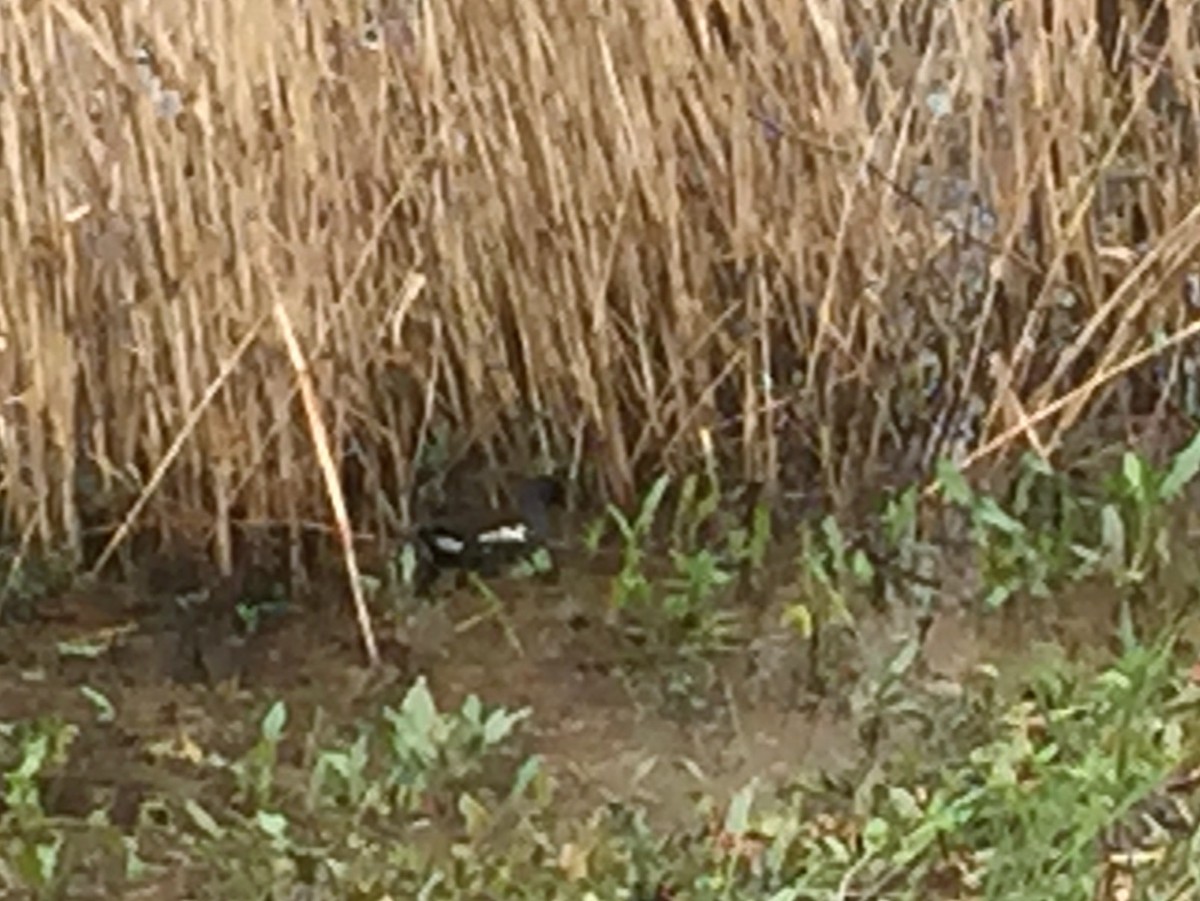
column 543, row 647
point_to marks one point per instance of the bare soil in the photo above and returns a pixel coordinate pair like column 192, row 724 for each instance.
column 600, row 722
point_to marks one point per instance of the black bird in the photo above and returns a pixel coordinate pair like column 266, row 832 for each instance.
column 487, row 541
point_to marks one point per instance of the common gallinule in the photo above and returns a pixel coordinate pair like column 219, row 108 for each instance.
column 485, row 541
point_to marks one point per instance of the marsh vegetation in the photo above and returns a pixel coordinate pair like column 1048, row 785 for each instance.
column 862, row 338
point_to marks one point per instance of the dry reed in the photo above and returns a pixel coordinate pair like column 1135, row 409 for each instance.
column 512, row 230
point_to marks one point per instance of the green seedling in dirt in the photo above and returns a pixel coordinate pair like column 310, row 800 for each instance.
column 27, row 580
column 884, row 698
column 254, row 612
column 1050, row 532
column 537, row 564
column 697, row 570
column 698, row 576
column 910, row 557
column 32, row 843
column 692, row 511
column 255, row 772
column 692, row 599
column 675, row 619
column 748, row 543
column 593, row 534
column 1136, row 533
column 743, row 543
column 340, row 777
column 431, row 751
column 405, row 565
column 831, row 576
column 832, row 572
column 27, row 749
column 632, row 586
column 691, row 626
column 416, row 754
column 1034, row 545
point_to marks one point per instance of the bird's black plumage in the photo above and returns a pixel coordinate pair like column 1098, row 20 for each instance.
column 487, row 541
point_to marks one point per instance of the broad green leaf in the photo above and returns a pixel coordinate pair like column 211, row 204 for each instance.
column 475, row 815
column 1183, row 469
column 1112, row 537
column 527, row 772
column 274, row 721
column 953, row 484
column 472, row 710
column 273, row 824
column 737, row 817
column 500, row 724
column 904, row 658
column 1134, row 471
column 991, row 514
column 904, row 803
column 860, row 565
column 875, row 834
column 419, row 708
column 36, row 752
column 650, row 505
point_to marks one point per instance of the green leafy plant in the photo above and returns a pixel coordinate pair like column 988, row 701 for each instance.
column 832, row 574
column 748, row 543
column 910, row 558
column 27, row 579
column 1053, row 530
column 1136, row 539
column 419, row 753
column 1071, row 764
column 429, row 748
column 632, row 585
column 1016, row 549
column 254, row 612
column 255, row 772
column 677, row 613
column 33, row 842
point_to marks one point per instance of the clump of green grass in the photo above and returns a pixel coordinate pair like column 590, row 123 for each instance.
column 1031, row 790
column 678, row 618
column 33, row 840
column 1054, row 530
column 27, row 579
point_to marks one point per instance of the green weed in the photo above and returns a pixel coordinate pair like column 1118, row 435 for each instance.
column 1054, row 530
column 677, row 618
column 33, row 842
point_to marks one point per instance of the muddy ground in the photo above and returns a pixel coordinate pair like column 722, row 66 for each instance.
column 601, row 719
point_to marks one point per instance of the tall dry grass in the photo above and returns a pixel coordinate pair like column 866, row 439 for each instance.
column 509, row 231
